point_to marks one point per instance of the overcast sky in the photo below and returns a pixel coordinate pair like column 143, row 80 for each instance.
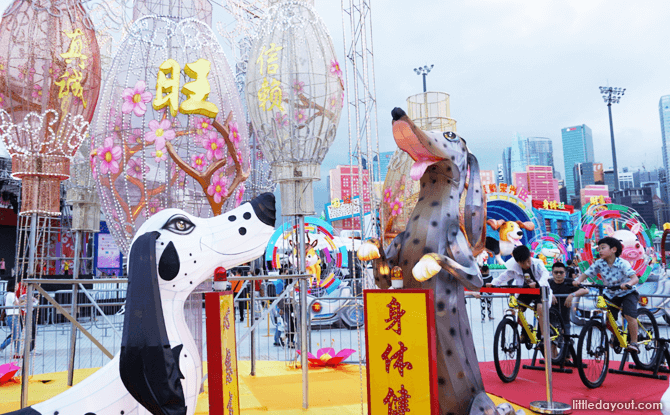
column 531, row 67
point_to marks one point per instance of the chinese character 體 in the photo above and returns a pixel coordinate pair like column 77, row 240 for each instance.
column 398, row 356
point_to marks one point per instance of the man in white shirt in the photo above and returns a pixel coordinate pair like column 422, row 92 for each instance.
column 528, row 272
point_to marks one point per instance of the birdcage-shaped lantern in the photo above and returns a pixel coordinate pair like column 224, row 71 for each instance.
column 49, row 85
column 295, row 95
column 170, row 131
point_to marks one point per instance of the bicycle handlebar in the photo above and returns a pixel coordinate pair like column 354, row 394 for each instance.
column 601, row 287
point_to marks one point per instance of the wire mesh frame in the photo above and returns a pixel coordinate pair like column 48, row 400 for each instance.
column 362, row 113
column 361, row 102
column 137, row 195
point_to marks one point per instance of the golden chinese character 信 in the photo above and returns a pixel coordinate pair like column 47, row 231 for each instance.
column 271, row 54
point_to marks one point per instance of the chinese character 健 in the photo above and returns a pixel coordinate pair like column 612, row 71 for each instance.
column 398, row 357
column 395, row 313
column 397, row 404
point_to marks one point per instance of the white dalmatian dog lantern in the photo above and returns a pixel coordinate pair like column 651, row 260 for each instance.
column 436, row 252
column 158, row 370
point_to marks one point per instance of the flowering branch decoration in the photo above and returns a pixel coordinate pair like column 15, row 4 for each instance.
column 216, row 191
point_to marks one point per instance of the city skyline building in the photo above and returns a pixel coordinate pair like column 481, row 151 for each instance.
column 664, row 116
column 343, row 183
column 384, row 158
column 487, row 177
column 530, row 151
column 501, row 174
column 507, row 164
column 577, row 148
column 583, row 176
column 541, row 183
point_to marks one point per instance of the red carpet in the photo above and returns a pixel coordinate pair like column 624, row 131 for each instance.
column 530, row 386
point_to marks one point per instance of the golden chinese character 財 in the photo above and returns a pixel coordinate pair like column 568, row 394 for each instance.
column 270, row 93
column 167, row 89
column 198, row 90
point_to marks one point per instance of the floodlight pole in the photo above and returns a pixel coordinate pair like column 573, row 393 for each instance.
column 612, row 95
column 423, row 70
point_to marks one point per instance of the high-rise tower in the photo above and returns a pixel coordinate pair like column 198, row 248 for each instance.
column 577, row 148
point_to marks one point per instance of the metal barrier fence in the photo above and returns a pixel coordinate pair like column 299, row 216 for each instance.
column 103, row 318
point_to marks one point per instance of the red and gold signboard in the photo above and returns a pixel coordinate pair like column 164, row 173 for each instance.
column 224, row 391
column 400, row 350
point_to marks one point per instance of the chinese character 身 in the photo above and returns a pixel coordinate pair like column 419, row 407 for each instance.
column 398, row 357
column 395, row 313
column 397, row 404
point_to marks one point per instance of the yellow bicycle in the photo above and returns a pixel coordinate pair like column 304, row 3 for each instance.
column 593, row 346
column 507, row 341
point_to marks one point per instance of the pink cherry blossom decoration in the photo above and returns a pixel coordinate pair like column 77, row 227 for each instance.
column 135, row 99
column 109, row 155
column 214, row 146
column 218, row 188
column 198, row 161
column 160, row 132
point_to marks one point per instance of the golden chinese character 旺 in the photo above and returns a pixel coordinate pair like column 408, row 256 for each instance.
column 167, row 89
column 71, row 83
column 270, row 93
column 601, row 199
column 75, row 49
column 198, row 90
column 553, row 204
column 545, row 204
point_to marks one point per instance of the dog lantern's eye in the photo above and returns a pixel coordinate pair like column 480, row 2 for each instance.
column 179, row 225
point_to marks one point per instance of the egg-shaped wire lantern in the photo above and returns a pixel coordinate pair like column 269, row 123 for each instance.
column 169, row 131
column 49, row 85
column 295, row 95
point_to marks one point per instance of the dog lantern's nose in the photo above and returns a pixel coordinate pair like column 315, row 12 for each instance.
column 520, row 233
column 264, row 207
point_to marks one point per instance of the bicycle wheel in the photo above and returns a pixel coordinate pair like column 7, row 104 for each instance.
column 647, row 340
column 507, row 350
column 557, row 329
column 593, row 354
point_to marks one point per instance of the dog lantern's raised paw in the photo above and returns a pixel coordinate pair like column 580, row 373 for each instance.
column 368, row 251
column 426, row 268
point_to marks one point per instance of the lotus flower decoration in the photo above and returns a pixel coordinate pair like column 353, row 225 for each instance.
column 7, row 372
column 326, row 356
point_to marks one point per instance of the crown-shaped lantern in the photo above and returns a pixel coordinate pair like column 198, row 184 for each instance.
column 295, row 95
column 169, row 130
column 49, row 85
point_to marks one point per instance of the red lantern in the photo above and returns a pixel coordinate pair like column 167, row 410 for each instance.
column 49, row 85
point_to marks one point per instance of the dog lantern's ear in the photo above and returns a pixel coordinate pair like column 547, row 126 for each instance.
column 495, row 223
column 149, row 368
column 529, row 226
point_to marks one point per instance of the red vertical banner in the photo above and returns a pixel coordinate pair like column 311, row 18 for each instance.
column 224, row 390
column 400, row 351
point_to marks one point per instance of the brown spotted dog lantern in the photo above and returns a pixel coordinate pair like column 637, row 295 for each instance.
column 437, row 251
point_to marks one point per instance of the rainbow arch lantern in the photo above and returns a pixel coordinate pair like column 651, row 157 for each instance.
column 552, row 242
column 619, row 217
column 335, row 253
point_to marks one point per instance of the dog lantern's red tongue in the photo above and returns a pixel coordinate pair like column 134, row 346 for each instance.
column 413, row 141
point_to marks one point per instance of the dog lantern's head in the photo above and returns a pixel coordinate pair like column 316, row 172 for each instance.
column 189, row 249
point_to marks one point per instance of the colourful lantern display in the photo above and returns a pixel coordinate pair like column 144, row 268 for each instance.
column 49, row 85
column 295, row 95
column 170, row 130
